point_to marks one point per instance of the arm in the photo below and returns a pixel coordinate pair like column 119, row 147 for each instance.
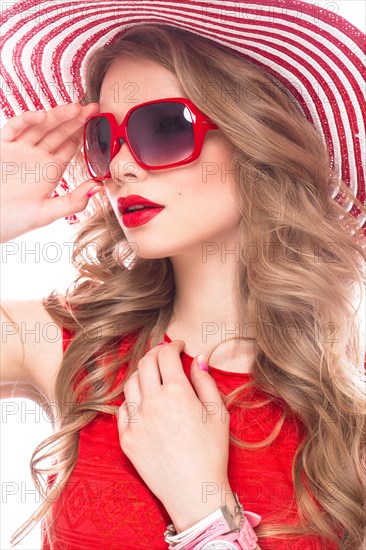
column 31, row 350
column 190, row 508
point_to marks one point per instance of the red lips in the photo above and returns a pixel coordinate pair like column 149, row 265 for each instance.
column 124, row 203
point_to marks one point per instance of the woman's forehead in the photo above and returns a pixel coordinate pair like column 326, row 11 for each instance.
column 130, row 81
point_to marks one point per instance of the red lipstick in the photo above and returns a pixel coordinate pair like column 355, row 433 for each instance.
column 137, row 210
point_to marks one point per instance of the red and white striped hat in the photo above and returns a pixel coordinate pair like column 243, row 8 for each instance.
column 316, row 54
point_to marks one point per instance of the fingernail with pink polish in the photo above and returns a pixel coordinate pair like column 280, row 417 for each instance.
column 94, row 190
column 161, row 343
column 202, row 363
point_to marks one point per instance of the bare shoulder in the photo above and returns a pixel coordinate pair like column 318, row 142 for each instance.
column 31, row 350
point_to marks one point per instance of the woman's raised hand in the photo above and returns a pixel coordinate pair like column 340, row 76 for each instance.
column 177, row 435
column 36, row 147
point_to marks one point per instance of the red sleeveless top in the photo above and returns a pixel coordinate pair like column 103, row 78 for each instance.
column 107, row 506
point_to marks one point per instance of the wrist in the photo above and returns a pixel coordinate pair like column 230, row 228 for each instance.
column 194, row 507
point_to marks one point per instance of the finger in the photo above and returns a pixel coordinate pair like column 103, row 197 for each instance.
column 55, row 121
column 71, row 129
column 64, row 151
column 149, row 373
column 170, row 364
column 71, row 203
column 128, row 411
column 205, row 385
column 33, row 133
column 19, row 123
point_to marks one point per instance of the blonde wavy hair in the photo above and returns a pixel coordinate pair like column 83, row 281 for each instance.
column 306, row 278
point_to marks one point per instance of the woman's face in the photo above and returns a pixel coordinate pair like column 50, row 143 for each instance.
column 198, row 198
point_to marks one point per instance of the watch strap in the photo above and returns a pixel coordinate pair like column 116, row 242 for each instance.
column 245, row 539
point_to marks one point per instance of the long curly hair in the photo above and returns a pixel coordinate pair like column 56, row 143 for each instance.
column 302, row 291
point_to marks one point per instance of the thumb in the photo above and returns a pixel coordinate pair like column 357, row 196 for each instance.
column 74, row 202
column 204, row 384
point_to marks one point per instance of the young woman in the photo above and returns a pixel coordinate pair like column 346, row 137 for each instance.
column 243, row 256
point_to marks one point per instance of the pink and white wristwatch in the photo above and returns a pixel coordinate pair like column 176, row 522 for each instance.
column 218, row 531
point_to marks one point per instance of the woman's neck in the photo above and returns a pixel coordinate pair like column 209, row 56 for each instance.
column 206, row 313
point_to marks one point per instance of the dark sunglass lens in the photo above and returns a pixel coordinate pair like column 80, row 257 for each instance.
column 161, row 133
column 98, row 145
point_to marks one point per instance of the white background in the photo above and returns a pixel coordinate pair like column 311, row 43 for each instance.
column 27, row 274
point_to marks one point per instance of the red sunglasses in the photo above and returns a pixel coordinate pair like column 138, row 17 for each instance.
column 160, row 134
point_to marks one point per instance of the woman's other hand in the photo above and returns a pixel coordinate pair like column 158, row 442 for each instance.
column 176, row 435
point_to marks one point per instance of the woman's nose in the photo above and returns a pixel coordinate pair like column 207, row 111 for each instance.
column 124, row 166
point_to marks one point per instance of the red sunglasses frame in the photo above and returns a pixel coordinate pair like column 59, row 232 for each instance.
column 201, row 124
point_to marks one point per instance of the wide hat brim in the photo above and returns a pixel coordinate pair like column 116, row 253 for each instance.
column 317, row 55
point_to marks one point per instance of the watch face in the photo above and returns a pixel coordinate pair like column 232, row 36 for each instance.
column 220, row 545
